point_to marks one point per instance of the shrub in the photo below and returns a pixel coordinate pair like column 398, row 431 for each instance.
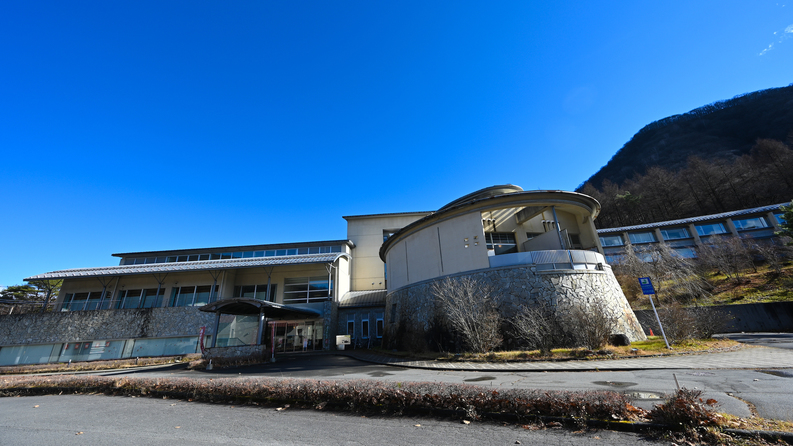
column 538, row 327
column 685, row 410
column 593, row 324
column 469, row 308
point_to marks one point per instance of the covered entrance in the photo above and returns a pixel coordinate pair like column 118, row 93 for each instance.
column 267, row 327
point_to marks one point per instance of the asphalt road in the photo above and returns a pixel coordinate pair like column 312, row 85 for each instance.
column 770, row 391
column 99, row 420
column 775, row 340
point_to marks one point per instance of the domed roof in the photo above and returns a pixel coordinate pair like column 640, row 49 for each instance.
column 487, row 192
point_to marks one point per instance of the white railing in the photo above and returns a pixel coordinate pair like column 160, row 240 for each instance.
column 552, row 260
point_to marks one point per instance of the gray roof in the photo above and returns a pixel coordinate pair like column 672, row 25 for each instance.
column 363, row 299
column 204, row 265
column 701, row 218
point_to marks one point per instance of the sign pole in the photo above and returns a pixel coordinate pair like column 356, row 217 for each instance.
column 649, row 290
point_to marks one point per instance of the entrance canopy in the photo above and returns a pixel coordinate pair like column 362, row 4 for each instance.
column 241, row 306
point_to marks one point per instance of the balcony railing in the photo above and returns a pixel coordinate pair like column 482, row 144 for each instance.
column 552, row 260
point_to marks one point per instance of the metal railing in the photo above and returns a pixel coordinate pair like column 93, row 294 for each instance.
column 567, row 259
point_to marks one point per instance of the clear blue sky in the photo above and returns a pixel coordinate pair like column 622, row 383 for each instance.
column 133, row 126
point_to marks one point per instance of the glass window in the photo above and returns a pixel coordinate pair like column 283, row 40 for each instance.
column 151, row 299
column 365, row 327
column 675, row 233
column 182, row 296
column 714, row 228
column 306, row 289
column 642, row 237
column 313, row 250
column 258, row 254
column 236, row 255
column 171, row 259
column 611, row 240
column 750, row 223
column 203, row 257
column 685, row 252
column 181, row 259
column 501, row 242
column 78, row 301
column 280, row 252
column 379, row 326
column 150, row 260
column 780, row 218
column 225, row 255
column 130, row 299
column 215, row 256
column 302, row 251
column 351, row 325
column 247, row 254
column 269, row 253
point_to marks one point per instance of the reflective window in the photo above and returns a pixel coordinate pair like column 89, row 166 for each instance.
column 306, row 289
column 379, row 326
column 365, row 327
column 611, row 240
column 675, row 233
column 642, row 237
column 685, row 252
column 501, row 242
column 780, row 218
column 750, row 223
column 714, row 228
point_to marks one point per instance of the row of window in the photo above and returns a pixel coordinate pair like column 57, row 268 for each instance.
column 365, row 326
column 232, row 255
column 296, row 290
column 746, row 224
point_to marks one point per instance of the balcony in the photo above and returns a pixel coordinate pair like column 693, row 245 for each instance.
column 572, row 259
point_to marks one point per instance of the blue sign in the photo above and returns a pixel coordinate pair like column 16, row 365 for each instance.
column 647, row 285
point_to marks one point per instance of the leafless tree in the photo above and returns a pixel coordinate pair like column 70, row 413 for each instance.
column 673, row 275
column 538, row 327
column 592, row 324
column 469, row 308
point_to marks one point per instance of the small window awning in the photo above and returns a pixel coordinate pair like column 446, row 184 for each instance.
column 242, row 306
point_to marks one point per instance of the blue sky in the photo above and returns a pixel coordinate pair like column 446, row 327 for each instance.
column 134, row 126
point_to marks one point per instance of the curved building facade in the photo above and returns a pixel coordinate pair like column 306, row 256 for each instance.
column 533, row 246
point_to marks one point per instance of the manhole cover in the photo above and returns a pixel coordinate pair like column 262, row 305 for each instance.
column 481, row 378
column 613, row 383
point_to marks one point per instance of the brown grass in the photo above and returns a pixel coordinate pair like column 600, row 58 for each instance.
column 94, row 365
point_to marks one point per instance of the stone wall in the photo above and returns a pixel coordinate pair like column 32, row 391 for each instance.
column 761, row 317
column 414, row 306
column 72, row 326
column 239, row 351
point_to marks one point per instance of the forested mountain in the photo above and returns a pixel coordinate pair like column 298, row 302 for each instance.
column 725, row 156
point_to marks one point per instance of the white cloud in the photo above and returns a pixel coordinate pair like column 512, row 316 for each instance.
column 786, row 34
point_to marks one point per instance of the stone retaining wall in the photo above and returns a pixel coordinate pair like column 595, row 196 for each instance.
column 750, row 318
column 414, row 306
column 238, row 351
column 72, row 326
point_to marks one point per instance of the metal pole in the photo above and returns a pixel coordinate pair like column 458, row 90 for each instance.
column 217, row 327
column 558, row 228
column 261, row 325
column 659, row 322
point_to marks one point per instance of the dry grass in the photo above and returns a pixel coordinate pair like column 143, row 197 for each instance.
column 652, row 347
column 94, row 365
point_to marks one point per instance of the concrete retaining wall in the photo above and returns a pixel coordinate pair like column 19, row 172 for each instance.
column 768, row 317
column 72, row 326
column 409, row 311
column 240, row 351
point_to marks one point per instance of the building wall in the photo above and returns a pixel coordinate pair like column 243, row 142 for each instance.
column 409, row 311
column 74, row 326
column 358, row 315
column 366, row 232
column 447, row 247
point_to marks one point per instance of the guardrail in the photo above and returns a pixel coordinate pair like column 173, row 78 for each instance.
column 552, row 260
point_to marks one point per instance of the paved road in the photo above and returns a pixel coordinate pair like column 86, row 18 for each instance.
column 776, row 340
column 770, row 390
column 99, row 420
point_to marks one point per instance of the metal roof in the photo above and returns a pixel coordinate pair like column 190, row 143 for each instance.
column 701, row 218
column 203, row 265
column 363, row 298
column 235, row 248
column 242, row 306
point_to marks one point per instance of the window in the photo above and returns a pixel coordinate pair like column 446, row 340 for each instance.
column 82, row 301
column 129, row 299
column 642, row 237
column 307, row 289
column 378, row 326
column 501, row 242
column 531, row 235
column 365, row 326
column 190, row 296
column 780, row 218
column 255, row 292
column 351, row 325
column 151, row 299
column 675, row 233
column 611, row 240
column 685, row 252
column 714, row 228
column 750, row 223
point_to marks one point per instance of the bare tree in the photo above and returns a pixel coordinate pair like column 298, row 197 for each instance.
column 538, row 327
column 593, row 323
column 673, row 275
column 469, row 307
